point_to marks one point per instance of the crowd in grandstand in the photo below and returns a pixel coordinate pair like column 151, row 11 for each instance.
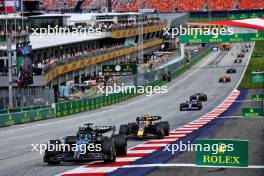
column 43, row 65
column 125, row 25
column 159, row 5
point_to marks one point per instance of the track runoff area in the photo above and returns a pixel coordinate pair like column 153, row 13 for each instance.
column 203, row 145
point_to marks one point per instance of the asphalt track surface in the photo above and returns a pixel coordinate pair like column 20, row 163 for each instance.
column 17, row 159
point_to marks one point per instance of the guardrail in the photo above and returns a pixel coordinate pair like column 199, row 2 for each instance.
column 4, row 111
column 72, row 107
column 25, row 117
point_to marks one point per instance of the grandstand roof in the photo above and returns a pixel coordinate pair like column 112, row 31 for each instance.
column 50, row 15
column 46, row 41
column 11, row 16
column 81, row 17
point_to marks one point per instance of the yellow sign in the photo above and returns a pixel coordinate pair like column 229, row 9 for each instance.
column 136, row 31
column 97, row 59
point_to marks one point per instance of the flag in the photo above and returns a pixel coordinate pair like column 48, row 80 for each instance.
column 9, row 6
column 18, row 5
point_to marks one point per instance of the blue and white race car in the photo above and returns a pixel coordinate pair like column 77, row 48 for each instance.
column 88, row 145
column 191, row 105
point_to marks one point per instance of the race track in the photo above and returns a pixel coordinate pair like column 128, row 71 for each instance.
column 16, row 158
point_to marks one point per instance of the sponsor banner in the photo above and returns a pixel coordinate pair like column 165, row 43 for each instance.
column 252, row 112
column 221, row 152
column 235, row 38
column 26, row 116
column 257, row 77
column 122, row 69
column 136, row 31
column 257, row 97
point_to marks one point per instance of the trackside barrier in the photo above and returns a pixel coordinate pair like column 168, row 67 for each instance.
column 25, row 117
column 72, row 107
column 4, row 111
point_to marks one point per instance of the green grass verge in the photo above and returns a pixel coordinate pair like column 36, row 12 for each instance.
column 256, row 63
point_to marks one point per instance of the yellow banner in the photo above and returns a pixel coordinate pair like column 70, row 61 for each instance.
column 93, row 60
column 136, row 31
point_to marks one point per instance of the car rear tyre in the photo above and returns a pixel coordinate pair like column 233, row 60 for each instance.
column 166, row 128
column 50, row 155
column 120, row 144
column 124, row 129
column 108, row 149
column 160, row 131
column 204, row 98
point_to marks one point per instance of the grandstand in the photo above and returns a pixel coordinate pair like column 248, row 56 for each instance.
column 159, row 5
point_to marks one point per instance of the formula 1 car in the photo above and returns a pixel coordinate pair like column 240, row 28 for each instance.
column 198, row 97
column 191, row 105
column 224, row 78
column 241, row 55
column 231, row 70
column 146, row 127
column 238, row 60
column 88, row 145
column 244, row 50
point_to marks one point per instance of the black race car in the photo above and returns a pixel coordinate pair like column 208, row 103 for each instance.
column 231, row 70
column 198, row 97
column 241, row 55
column 146, row 127
column 191, row 105
column 244, row 50
column 88, row 145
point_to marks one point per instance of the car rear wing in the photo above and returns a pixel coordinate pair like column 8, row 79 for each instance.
column 104, row 129
column 148, row 118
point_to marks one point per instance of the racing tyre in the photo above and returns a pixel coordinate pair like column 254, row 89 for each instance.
column 70, row 139
column 181, row 107
column 120, row 144
column 160, row 131
column 166, row 128
column 204, row 98
column 49, row 155
column 108, row 150
column 124, row 129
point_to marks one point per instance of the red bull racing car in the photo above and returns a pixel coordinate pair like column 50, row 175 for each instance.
column 146, row 127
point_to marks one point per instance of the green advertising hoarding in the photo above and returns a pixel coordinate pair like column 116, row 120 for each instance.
column 26, row 116
column 257, row 77
column 122, row 68
column 235, row 38
column 257, row 97
column 252, row 112
column 221, row 152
